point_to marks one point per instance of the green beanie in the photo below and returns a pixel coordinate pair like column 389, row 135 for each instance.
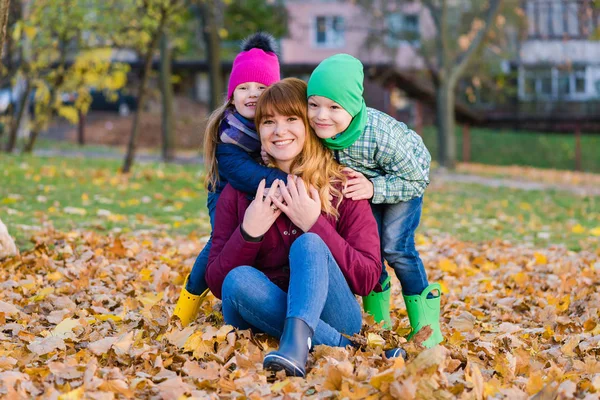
column 340, row 78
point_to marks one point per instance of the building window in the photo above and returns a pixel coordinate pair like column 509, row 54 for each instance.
column 557, row 19
column 402, row 28
column 329, row 31
column 554, row 83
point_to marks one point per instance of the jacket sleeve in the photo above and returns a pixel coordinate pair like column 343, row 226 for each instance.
column 403, row 157
column 242, row 171
column 229, row 249
column 355, row 244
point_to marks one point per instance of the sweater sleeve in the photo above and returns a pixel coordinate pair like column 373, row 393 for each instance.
column 229, row 249
column 355, row 244
column 242, row 171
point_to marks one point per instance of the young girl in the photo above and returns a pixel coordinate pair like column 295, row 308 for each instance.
column 231, row 150
column 290, row 267
column 389, row 165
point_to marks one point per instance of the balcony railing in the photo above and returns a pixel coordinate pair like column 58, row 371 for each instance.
column 562, row 19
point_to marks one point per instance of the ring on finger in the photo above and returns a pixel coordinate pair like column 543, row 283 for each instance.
column 274, row 207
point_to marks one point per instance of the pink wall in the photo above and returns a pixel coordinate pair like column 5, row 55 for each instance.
column 300, row 45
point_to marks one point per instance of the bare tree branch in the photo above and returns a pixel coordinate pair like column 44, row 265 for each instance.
column 463, row 59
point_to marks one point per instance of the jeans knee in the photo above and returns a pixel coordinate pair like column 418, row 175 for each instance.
column 307, row 240
column 236, row 281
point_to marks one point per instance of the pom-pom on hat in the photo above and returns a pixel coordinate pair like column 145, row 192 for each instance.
column 257, row 62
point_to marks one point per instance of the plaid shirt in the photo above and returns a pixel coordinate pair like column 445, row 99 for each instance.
column 392, row 156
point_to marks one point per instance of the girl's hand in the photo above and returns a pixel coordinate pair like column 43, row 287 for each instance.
column 358, row 186
column 302, row 208
column 264, row 156
column 261, row 213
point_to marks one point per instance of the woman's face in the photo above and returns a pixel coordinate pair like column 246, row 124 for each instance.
column 282, row 137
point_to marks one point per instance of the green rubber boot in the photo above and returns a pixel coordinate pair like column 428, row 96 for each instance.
column 423, row 311
column 378, row 304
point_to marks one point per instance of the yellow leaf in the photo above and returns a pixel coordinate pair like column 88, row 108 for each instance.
column 223, row 331
column 520, row 278
column 374, row 340
column 64, row 330
column 578, row 229
column 535, row 383
column 150, row 299
column 385, row 377
column 420, row 239
column 525, row 206
column 74, row 394
column 106, row 317
column 279, row 385
column 595, row 231
column 146, row 274
column 42, row 294
column 30, row 31
column 70, row 113
column 540, row 258
column 55, row 276
column 456, row 338
column 447, row 265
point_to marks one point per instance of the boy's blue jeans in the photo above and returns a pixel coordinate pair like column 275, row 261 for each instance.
column 196, row 282
column 317, row 293
column 397, row 225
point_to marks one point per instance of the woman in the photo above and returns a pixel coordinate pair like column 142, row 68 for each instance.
column 290, row 262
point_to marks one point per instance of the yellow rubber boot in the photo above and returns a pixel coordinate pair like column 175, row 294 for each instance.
column 188, row 304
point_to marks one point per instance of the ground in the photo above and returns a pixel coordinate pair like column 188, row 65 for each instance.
column 85, row 308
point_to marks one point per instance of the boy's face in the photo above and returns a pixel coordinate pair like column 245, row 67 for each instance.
column 245, row 97
column 327, row 117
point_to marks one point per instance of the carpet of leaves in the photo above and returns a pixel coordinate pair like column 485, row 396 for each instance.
column 85, row 315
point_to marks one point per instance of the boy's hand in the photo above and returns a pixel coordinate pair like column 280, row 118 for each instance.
column 358, row 186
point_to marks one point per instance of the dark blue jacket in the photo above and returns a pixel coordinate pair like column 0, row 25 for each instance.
column 242, row 171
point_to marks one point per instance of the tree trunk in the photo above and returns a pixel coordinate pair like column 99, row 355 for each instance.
column 129, row 157
column 446, row 125
column 16, row 120
column 4, row 11
column 213, row 48
column 81, row 129
column 31, row 142
column 168, row 133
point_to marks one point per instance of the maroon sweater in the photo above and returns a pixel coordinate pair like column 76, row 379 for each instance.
column 353, row 239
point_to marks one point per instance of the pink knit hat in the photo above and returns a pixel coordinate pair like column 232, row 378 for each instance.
column 256, row 63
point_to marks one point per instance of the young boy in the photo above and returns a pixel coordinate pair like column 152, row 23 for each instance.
column 389, row 165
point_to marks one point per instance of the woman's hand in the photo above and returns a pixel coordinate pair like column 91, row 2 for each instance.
column 261, row 213
column 302, row 208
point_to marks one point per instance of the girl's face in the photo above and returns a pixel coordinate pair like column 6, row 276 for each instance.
column 245, row 96
column 282, row 137
column 327, row 117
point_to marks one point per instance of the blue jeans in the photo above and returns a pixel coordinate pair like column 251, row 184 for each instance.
column 397, row 225
column 197, row 282
column 317, row 293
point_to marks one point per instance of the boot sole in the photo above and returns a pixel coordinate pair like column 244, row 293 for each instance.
column 274, row 362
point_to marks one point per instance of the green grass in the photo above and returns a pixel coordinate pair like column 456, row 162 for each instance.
column 535, row 149
column 537, row 218
column 90, row 194
column 63, row 145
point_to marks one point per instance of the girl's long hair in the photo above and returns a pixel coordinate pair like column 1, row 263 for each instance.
column 315, row 164
column 211, row 138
